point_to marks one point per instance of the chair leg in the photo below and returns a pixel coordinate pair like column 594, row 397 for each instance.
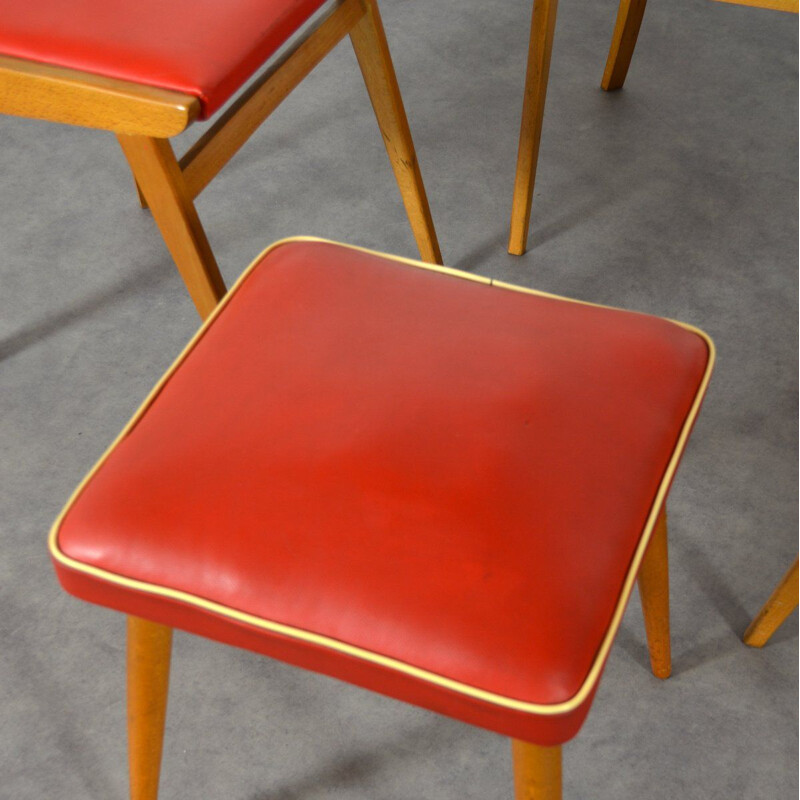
column 142, row 201
column 149, row 646
column 160, row 180
column 654, row 591
column 623, row 42
column 540, row 46
column 537, row 771
column 372, row 52
column 780, row 604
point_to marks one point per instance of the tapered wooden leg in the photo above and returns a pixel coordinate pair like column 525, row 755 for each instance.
column 149, row 647
column 537, row 771
column 623, row 42
column 654, row 591
column 159, row 177
column 142, row 201
column 780, row 604
column 372, row 51
column 543, row 26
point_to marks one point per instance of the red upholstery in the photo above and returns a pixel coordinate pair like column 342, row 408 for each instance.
column 449, row 474
column 205, row 48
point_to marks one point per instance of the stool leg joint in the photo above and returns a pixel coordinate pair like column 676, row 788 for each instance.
column 654, row 592
column 149, row 649
column 537, row 771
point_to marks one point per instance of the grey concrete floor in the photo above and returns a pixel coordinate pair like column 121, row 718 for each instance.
column 676, row 196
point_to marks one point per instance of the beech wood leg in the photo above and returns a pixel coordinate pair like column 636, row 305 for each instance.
column 149, row 648
column 654, row 592
column 142, row 201
column 791, row 6
column 537, row 771
column 160, row 180
column 372, row 52
column 623, row 42
column 780, row 604
column 543, row 26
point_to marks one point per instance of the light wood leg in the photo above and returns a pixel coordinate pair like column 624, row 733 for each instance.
column 623, row 42
column 159, row 177
column 780, row 604
column 654, row 591
column 543, row 26
column 792, row 6
column 142, row 201
column 537, row 771
column 149, row 647
column 372, row 51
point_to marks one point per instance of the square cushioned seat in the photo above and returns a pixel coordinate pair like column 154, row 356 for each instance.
column 420, row 481
column 203, row 48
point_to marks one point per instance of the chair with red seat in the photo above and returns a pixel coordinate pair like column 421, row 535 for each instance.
column 623, row 42
column 626, row 32
column 424, row 482
column 147, row 70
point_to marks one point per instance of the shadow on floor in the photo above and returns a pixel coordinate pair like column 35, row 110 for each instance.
column 37, row 668
column 37, row 331
column 723, row 600
column 471, row 261
column 342, row 772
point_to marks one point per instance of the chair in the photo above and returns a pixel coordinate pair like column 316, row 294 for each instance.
column 626, row 31
column 623, row 42
column 147, row 70
column 774, row 612
column 427, row 483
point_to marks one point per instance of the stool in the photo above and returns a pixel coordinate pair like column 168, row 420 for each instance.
column 424, row 482
column 147, row 70
column 623, row 42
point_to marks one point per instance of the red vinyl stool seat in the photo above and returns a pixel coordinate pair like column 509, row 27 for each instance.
column 420, row 481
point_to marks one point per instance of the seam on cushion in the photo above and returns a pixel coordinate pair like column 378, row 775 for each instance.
column 546, row 709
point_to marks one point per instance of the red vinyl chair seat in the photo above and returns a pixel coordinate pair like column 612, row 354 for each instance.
column 205, row 48
column 419, row 481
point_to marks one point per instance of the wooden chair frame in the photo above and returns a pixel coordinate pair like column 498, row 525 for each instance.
column 540, row 47
column 774, row 612
column 626, row 32
column 144, row 118
column 537, row 770
column 623, row 43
